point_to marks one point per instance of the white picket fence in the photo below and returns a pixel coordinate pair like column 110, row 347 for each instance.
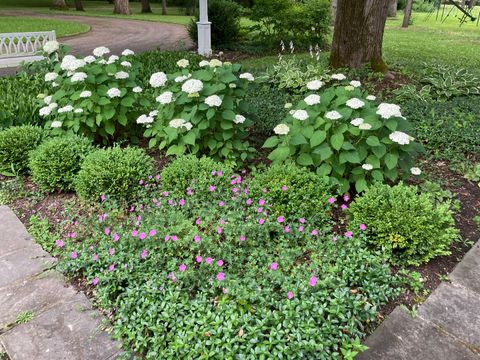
column 18, row 47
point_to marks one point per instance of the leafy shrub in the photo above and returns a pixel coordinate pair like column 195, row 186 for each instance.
column 94, row 96
column 293, row 192
column 346, row 137
column 188, row 170
column 199, row 112
column 473, row 174
column 54, row 164
column 16, row 144
column 223, row 279
column 113, row 172
column 225, row 17
column 408, row 227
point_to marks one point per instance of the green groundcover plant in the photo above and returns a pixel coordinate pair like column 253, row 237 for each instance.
column 212, row 276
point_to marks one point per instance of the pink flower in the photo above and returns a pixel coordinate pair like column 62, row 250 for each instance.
column 74, row 255
column 208, row 260
column 170, row 202
column 107, row 231
column 314, row 232
column 189, row 192
column 261, row 221
column 197, row 238
column 111, row 267
column 273, row 266
column 134, row 233
column 300, row 228
column 221, row 203
column 197, row 222
column 334, row 239
column 103, row 198
column 116, row 237
column 225, row 290
column 142, row 236
column 165, row 193
column 95, row 281
column 222, row 222
column 152, row 233
column 219, row 173
column 172, row 276
column 174, row 238
column 344, row 207
column 219, row 230
column 141, row 182
column 290, row 295
column 181, row 202
column 287, row 229
column 331, row 200
column 363, row 227
column 235, row 190
column 313, row 281
column 198, row 259
column 166, row 237
column 111, row 251
column 221, row 276
column 242, row 238
column 302, row 220
column 284, row 188
column 144, row 254
column 260, row 209
column 249, row 201
column 265, row 190
column 182, row 267
column 346, row 197
column 59, row 243
column 220, row 262
column 261, row 202
column 95, row 257
column 349, row 234
column 233, row 182
column 280, row 219
column 211, row 188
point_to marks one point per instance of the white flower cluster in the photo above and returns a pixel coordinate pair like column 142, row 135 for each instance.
column 112, row 59
column 333, row 115
column 281, row 129
column 314, row 85
column 127, row 52
column 137, row 89
column 78, row 111
column 183, row 63
column 355, row 103
column 355, row 83
column 71, row 63
column 213, row 100
column 338, row 77
column 182, row 78
column 85, row 94
column 357, row 122
column 165, row 98
column 121, row 75
column 79, row 76
column 415, row 171
column 247, row 76
column 56, row 124
column 144, row 119
column 312, row 99
column 300, row 115
column 113, row 93
column 158, row 79
column 214, row 63
column 386, row 111
column 66, row 108
column 51, row 46
column 400, row 137
column 89, row 59
column 367, row 167
column 371, row 97
column 179, row 123
column 204, row 63
column 47, row 100
column 126, row 64
column 239, row 119
column 50, row 76
column 100, row 51
column 365, row 126
column 192, row 86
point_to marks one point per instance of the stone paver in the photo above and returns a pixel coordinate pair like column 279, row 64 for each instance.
column 467, row 272
column 14, row 236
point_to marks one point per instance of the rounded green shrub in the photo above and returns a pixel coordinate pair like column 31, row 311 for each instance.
column 54, row 164
column 293, row 192
column 114, row 172
column 189, row 170
column 407, row 226
column 15, row 145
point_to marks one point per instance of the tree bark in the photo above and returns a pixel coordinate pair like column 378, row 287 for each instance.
column 358, row 34
column 121, row 7
column 407, row 13
column 78, row 5
column 146, row 6
column 164, row 7
column 392, row 8
column 333, row 7
column 59, row 4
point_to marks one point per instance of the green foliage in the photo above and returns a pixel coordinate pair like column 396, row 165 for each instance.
column 200, row 113
column 15, row 146
column 54, row 164
column 473, row 174
column 293, row 192
column 186, row 171
column 24, row 317
column 225, row 17
column 345, row 137
column 410, row 92
column 113, row 172
column 407, row 226
column 40, row 230
column 11, row 190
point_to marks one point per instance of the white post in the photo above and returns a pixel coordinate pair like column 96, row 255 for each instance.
column 204, row 31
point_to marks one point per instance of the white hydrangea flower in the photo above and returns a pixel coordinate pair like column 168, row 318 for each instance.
column 53, row 105
column 113, row 93
column 137, row 89
column 112, row 59
column 400, row 137
column 158, row 79
column 153, row 113
column 102, row 61
column 66, row 108
column 371, row 97
column 365, row 126
column 386, row 111
column 232, row 85
column 100, row 51
column 47, row 99
column 89, row 59
column 71, row 63
column 56, row 124
column 192, row 86
column 333, row 115
column 281, row 129
column 182, row 78
column 165, row 98
column 183, row 63
column 55, row 84
column 288, row 105
column 314, row 85
column 85, row 94
column 51, row 46
column 79, row 76
column 176, row 123
column 349, row 88
column 127, row 52
column 50, row 76
column 144, row 119
column 300, row 115
column 187, row 125
column 213, row 100
column 312, row 99
column 355, row 83
column 367, row 167
column 215, row 63
column 45, row 111
column 338, row 77
column 121, row 75
column 415, row 171
column 78, row 111
column 247, row 76
column 126, row 64
column 355, row 103
column 239, row 119
column 204, row 63
column 357, row 122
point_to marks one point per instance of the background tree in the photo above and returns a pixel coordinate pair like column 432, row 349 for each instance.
column 164, row 7
column 121, row 7
column 59, row 4
column 78, row 5
column 358, row 34
column 146, row 6
column 392, row 8
column 407, row 13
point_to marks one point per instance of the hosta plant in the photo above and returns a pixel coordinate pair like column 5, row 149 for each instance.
column 343, row 134
column 200, row 112
column 96, row 96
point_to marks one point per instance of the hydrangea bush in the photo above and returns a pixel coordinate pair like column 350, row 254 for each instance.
column 97, row 96
column 345, row 135
column 200, row 112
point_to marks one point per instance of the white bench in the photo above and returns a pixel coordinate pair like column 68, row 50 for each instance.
column 16, row 48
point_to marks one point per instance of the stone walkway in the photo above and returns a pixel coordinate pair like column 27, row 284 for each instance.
column 63, row 324
column 446, row 326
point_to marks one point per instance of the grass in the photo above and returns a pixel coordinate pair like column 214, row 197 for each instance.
column 98, row 8
column 28, row 24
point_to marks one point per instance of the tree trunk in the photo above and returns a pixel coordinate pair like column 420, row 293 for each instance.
column 164, row 7
column 334, row 9
column 146, row 6
column 121, row 7
column 358, row 34
column 392, row 8
column 407, row 13
column 78, row 5
column 59, row 4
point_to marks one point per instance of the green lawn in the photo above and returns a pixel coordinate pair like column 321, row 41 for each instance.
column 27, row 24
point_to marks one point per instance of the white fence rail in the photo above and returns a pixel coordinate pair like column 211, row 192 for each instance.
column 18, row 47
